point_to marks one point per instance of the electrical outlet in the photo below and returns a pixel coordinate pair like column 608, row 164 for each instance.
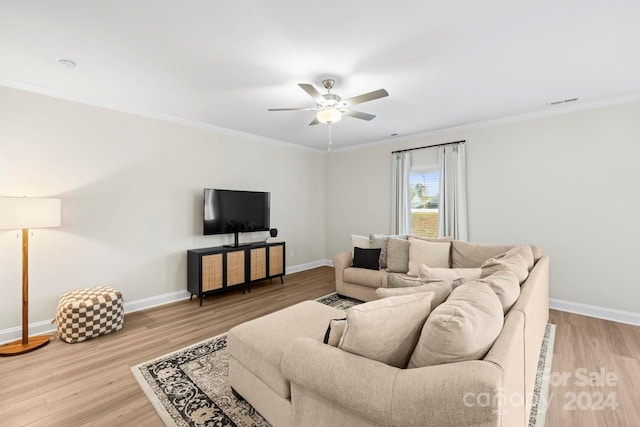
column 292, row 253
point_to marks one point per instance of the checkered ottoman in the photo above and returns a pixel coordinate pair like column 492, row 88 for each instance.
column 88, row 313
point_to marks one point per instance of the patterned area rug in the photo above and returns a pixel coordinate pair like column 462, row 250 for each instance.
column 540, row 399
column 189, row 387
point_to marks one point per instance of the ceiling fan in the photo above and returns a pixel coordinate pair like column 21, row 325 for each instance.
column 331, row 107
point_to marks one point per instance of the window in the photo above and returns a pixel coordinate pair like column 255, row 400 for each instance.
column 424, row 183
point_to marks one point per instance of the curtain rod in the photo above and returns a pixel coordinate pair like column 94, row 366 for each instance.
column 428, row 146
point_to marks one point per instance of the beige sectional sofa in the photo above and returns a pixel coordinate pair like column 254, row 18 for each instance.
column 281, row 366
column 361, row 283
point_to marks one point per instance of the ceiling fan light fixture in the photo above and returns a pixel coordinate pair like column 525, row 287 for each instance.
column 329, row 115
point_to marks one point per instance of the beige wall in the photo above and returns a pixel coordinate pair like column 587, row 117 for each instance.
column 566, row 182
column 131, row 190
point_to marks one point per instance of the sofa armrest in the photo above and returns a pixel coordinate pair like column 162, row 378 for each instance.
column 436, row 395
column 340, row 262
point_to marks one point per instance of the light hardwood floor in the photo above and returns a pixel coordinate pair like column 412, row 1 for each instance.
column 91, row 384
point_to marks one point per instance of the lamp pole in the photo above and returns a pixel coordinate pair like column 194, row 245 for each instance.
column 23, row 213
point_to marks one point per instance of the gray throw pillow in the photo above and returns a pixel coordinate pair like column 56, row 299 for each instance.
column 380, row 241
column 397, row 255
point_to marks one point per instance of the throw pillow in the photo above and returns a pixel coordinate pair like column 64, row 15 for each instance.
column 506, row 286
column 358, row 241
column 516, row 259
column 425, row 272
column 433, row 254
column 380, row 241
column 334, row 331
column 395, row 280
column 462, row 328
column 440, row 290
column 366, row 258
column 386, row 330
column 397, row 255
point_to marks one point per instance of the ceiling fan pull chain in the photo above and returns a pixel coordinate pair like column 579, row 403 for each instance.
column 330, row 138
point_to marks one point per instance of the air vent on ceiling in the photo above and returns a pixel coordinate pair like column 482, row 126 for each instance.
column 562, row 101
column 66, row 62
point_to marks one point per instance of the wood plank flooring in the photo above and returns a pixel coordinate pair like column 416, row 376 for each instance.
column 595, row 374
column 91, row 384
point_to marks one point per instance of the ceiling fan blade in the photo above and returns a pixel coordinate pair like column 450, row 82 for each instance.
column 359, row 115
column 312, row 91
column 291, row 109
column 366, row 97
column 315, row 121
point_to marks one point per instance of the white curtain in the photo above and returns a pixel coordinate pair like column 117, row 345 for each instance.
column 401, row 208
column 452, row 216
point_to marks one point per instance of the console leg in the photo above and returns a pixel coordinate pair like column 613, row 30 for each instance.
column 282, row 280
column 201, row 298
column 191, row 297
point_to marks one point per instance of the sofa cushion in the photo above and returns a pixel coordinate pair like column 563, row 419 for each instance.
column 259, row 344
column 506, row 286
column 516, row 259
column 358, row 241
column 380, row 241
column 462, row 328
column 469, row 255
column 386, row 330
column 397, row 280
column 364, row 277
column 472, row 255
column 397, row 255
column 425, row 272
column 536, row 251
column 334, row 331
column 441, row 291
column 366, row 258
column 433, row 254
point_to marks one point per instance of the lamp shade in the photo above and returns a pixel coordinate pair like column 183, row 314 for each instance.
column 29, row 212
column 329, row 115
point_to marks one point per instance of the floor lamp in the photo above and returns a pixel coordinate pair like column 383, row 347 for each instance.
column 25, row 213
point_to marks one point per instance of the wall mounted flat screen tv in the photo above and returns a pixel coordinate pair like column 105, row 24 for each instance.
column 232, row 211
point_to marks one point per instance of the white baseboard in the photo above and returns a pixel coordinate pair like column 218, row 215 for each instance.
column 308, row 266
column 45, row 326
column 35, row 328
column 613, row 314
column 154, row 301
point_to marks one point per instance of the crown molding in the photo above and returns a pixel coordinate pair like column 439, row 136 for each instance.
column 551, row 111
column 151, row 115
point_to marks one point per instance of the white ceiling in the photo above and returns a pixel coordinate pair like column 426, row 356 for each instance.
column 444, row 63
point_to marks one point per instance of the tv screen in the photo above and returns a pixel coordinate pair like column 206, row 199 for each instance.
column 231, row 211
